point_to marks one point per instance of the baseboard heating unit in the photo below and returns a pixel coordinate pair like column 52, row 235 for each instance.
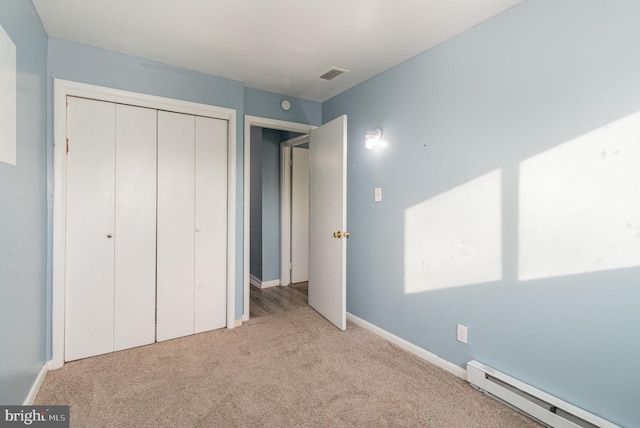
column 546, row 409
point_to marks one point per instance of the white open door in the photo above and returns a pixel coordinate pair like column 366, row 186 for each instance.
column 328, row 221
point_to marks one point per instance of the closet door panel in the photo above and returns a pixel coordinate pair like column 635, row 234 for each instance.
column 175, row 250
column 135, row 223
column 210, row 224
column 89, row 228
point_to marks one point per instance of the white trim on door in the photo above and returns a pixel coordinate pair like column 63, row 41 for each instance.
column 285, row 215
column 299, row 196
column 280, row 125
column 285, row 206
column 64, row 88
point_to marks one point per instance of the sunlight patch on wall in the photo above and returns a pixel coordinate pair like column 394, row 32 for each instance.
column 455, row 238
column 580, row 204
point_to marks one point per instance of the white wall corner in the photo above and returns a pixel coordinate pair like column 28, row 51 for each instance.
column 410, row 347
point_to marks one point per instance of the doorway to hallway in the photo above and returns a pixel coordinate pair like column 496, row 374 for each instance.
column 270, row 301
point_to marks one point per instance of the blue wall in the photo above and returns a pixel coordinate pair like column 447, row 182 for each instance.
column 530, row 79
column 23, row 214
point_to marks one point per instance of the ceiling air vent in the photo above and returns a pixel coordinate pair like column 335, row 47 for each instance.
column 333, row 73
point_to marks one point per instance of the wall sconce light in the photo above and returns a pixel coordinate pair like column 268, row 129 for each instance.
column 372, row 138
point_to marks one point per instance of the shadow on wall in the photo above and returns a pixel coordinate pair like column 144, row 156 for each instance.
column 578, row 212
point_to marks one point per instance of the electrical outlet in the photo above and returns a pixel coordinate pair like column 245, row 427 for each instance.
column 377, row 194
column 462, row 333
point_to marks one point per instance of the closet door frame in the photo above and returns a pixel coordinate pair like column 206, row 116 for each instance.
column 61, row 90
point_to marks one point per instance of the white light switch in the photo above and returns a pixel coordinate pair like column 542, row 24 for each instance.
column 377, row 194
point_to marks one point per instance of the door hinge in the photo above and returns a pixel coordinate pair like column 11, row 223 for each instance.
column 67, row 145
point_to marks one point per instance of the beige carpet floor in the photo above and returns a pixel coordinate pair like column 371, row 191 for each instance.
column 292, row 369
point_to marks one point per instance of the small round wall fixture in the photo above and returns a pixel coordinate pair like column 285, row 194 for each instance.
column 286, row 105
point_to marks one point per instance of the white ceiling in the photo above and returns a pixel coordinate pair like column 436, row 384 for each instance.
column 275, row 45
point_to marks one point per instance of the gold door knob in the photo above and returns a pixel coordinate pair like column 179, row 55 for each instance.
column 337, row 234
column 346, row 235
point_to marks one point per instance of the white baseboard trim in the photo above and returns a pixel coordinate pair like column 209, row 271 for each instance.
column 36, row 385
column 410, row 347
column 272, row 283
column 257, row 282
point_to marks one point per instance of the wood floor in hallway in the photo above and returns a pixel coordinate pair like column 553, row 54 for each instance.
column 273, row 300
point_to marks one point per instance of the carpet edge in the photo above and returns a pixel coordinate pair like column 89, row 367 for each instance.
column 410, row 347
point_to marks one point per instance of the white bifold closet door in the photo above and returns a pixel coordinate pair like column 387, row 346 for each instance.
column 192, row 243
column 110, row 227
column 210, row 225
column 135, row 227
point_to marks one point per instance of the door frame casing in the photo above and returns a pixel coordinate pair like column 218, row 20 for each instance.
column 285, row 200
column 296, row 233
column 62, row 89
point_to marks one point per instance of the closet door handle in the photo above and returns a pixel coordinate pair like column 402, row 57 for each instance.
column 109, row 235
